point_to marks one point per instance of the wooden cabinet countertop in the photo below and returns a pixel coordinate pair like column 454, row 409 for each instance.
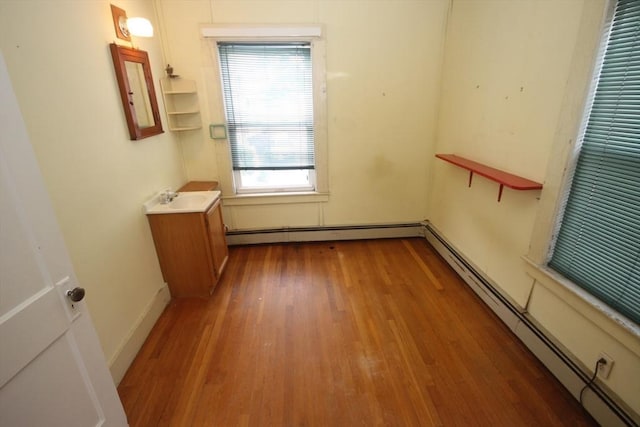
column 199, row 186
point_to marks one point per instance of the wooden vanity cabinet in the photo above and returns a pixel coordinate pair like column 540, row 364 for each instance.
column 192, row 250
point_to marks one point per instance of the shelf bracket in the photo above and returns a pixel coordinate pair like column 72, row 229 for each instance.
column 499, row 191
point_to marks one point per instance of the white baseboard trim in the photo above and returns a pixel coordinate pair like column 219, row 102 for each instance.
column 316, row 234
column 137, row 335
column 600, row 402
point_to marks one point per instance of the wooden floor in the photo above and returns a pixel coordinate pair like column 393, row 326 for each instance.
column 363, row 333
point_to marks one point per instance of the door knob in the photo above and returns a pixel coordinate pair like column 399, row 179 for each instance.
column 76, row 294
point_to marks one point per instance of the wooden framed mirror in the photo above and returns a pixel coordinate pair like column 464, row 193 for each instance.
column 136, row 91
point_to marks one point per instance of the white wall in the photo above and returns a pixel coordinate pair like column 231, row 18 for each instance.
column 383, row 71
column 59, row 62
column 515, row 77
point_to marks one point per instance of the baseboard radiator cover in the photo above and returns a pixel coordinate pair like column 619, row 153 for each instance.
column 326, row 233
column 600, row 403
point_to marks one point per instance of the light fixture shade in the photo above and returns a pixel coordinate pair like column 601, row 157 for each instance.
column 140, row 27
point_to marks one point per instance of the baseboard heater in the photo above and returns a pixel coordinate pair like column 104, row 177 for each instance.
column 315, row 234
column 602, row 407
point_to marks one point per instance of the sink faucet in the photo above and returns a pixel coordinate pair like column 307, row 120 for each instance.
column 167, row 196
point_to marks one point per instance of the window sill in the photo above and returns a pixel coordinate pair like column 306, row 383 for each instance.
column 275, row 198
column 609, row 320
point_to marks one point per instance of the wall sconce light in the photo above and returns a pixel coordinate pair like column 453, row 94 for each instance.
column 140, row 27
column 127, row 27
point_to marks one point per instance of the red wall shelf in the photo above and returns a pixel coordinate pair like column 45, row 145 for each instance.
column 501, row 177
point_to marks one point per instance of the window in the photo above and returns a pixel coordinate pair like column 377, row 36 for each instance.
column 598, row 243
column 268, row 98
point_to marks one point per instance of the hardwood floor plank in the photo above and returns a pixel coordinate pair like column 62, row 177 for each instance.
column 423, row 266
column 366, row 333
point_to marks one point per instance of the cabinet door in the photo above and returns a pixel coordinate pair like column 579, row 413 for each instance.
column 217, row 238
column 184, row 252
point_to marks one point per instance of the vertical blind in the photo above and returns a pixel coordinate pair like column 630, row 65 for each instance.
column 268, row 96
column 598, row 245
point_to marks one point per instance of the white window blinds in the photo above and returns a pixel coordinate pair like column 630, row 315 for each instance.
column 598, row 245
column 268, row 96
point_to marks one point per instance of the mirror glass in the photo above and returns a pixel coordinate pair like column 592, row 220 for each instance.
column 138, row 95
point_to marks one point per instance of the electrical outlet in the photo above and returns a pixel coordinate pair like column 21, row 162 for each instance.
column 604, row 369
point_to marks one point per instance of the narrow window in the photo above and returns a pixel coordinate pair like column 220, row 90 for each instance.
column 268, row 97
column 598, row 244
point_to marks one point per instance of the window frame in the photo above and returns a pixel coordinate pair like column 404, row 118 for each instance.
column 312, row 34
column 590, row 138
column 580, row 92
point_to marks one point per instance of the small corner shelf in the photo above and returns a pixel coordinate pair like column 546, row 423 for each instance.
column 181, row 103
column 501, row 177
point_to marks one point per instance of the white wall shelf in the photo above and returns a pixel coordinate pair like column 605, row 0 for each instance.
column 181, row 103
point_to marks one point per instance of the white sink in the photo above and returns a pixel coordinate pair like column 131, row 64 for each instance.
column 191, row 201
column 187, row 201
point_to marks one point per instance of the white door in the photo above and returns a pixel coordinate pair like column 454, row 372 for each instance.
column 52, row 370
